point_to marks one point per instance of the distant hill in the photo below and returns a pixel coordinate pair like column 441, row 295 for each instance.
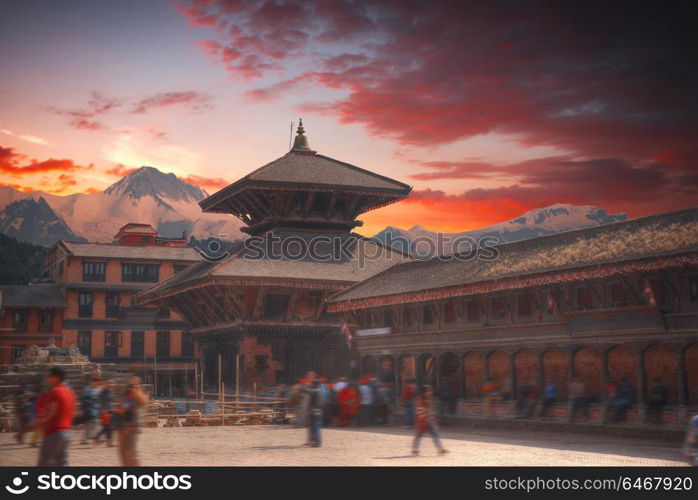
column 19, row 262
column 536, row 222
column 146, row 195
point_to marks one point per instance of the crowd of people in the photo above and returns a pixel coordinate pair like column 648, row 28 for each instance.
column 51, row 411
column 317, row 403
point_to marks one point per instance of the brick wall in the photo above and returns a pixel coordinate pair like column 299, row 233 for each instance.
column 526, row 364
column 555, row 366
column 661, row 361
column 587, row 366
column 500, row 369
column 622, row 363
column 473, row 366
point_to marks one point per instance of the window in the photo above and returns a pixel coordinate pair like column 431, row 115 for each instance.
column 452, row 312
column 162, row 344
column 187, row 345
column 145, row 239
column 16, row 352
column 585, row 299
column 473, row 310
column 618, row 295
column 427, row 315
column 499, row 308
column 93, row 271
column 45, row 321
column 140, row 272
column 409, row 318
column 180, row 267
column 19, row 321
column 112, row 304
column 85, row 304
column 137, row 345
column 112, row 340
column 275, row 305
column 693, row 287
column 525, row 305
column 85, row 342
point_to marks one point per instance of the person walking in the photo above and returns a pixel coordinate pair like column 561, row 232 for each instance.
column 348, row 399
column 315, row 413
column 690, row 447
column 106, row 403
column 580, row 401
column 549, row 398
column 22, row 413
column 57, row 421
column 426, row 421
column 131, row 419
column 367, row 400
column 658, row 398
column 409, row 391
column 39, row 408
column 90, row 411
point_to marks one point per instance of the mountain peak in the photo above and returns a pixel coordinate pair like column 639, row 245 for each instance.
column 149, row 181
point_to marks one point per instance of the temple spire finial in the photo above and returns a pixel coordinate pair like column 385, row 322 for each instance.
column 300, row 143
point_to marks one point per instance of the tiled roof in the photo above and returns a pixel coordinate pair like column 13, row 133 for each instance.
column 366, row 258
column 31, row 296
column 114, row 251
column 661, row 235
column 138, row 228
column 311, row 170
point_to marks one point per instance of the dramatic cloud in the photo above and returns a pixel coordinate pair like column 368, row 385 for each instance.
column 594, row 80
column 191, row 100
column 18, row 165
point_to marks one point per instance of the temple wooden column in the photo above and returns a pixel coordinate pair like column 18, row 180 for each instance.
column 513, row 389
column 641, row 384
column 681, row 385
column 604, row 381
column 570, row 376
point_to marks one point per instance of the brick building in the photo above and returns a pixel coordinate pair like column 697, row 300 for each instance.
column 99, row 282
column 602, row 303
column 31, row 314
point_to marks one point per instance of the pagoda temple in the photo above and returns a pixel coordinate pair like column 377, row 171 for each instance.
column 264, row 304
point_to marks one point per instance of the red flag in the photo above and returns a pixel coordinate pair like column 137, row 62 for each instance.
column 347, row 333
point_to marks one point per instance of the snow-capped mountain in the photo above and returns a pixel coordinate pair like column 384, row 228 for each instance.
column 34, row 221
column 145, row 196
column 536, row 222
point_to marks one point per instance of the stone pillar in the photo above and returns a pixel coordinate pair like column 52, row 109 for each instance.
column 681, row 385
column 541, row 371
column 641, row 385
column 604, row 381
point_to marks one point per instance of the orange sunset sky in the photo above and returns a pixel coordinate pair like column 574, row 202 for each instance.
column 487, row 109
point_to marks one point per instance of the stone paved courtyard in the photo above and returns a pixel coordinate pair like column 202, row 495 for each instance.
column 281, row 445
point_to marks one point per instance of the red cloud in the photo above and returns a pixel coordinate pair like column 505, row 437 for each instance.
column 194, row 101
column 119, row 170
column 85, row 118
column 592, row 79
column 17, row 164
column 205, row 182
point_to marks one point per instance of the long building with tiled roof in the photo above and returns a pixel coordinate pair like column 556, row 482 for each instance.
column 595, row 308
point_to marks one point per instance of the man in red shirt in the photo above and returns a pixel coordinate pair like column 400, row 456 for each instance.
column 57, row 421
